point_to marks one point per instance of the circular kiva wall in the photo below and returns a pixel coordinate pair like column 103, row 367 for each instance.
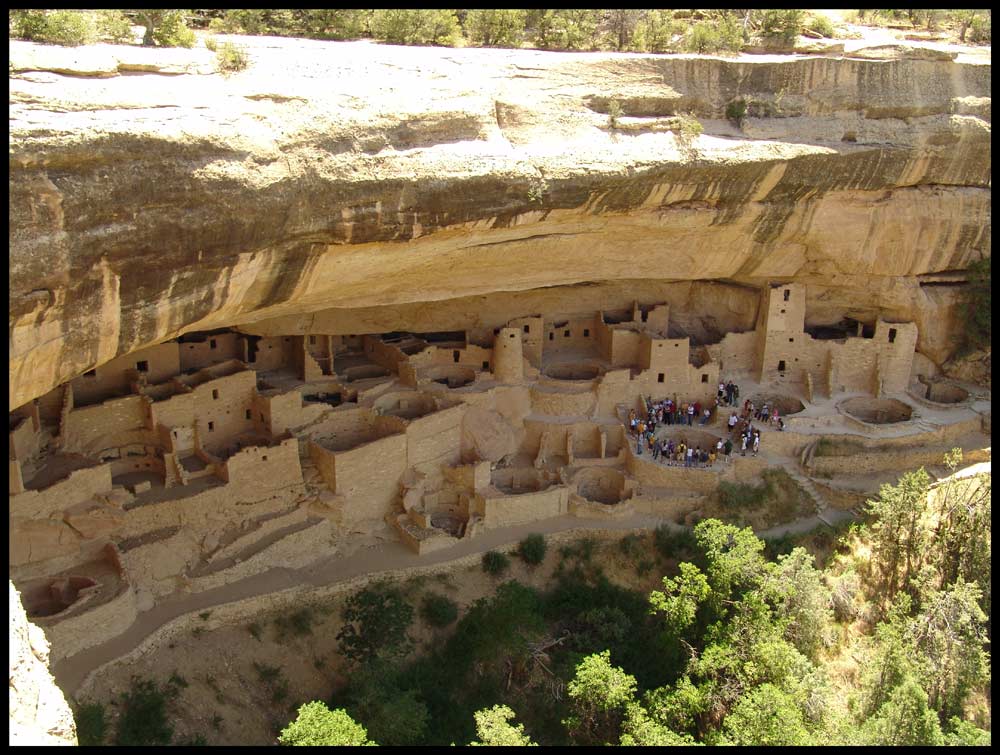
column 691, row 437
column 786, row 404
column 877, row 411
column 451, row 375
column 54, row 596
column 573, row 371
column 601, row 485
column 945, row 393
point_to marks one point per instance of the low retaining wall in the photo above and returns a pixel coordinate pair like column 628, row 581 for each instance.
column 76, row 633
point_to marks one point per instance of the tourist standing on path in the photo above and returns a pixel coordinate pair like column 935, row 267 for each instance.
column 756, row 442
column 743, row 449
column 728, row 448
column 690, row 415
column 705, row 416
column 688, row 458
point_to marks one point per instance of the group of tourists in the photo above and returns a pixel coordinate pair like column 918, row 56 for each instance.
column 729, row 393
column 670, row 412
column 671, row 453
column 673, row 412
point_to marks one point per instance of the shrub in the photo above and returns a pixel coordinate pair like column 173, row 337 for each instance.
column 734, row 496
column 495, row 28
column 375, row 624
column 176, row 680
column 672, row 543
column 631, row 545
column 301, row 622
column 113, row 26
column 254, row 630
column 211, row 44
column 172, row 31
column 333, row 23
column 736, row 111
column 267, row 674
column 144, row 715
column 438, row 610
column 781, row 24
column 495, row 563
column 723, row 35
column 654, row 32
column 820, row 25
column 230, row 58
column 532, row 549
column 980, row 31
column 416, row 27
column 66, row 27
column 91, row 725
column 317, row 725
column 27, row 24
column 204, row 615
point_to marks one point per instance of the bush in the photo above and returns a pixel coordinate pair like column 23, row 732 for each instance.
column 27, row 24
column 173, row 32
column 532, row 549
column 780, row 24
column 654, row 32
column 211, row 44
column 674, row 544
column 230, row 58
column 820, row 25
column 91, row 725
column 723, row 35
column 62, row 27
column 495, row 563
column 980, row 29
column 736, row 496
column 113, row 26
column 375, row 624
column 317, row 725
column 144, row 715
column 416, row 27
column 335, row 23
column 438, row 610
column 736, row 110
column 495, row 28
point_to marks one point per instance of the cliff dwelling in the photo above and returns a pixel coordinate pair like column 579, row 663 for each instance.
column 271, row 333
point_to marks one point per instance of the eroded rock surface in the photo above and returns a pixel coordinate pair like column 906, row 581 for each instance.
column 336, row 176
column 39, row 714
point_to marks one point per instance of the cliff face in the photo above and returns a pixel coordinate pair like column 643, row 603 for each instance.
column 39, row 714
column 362, row 183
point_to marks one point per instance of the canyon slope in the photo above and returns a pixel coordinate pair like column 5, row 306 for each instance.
column 353, row 187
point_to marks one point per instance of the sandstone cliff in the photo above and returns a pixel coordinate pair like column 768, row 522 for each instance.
column 39, row 714
column 363, row 183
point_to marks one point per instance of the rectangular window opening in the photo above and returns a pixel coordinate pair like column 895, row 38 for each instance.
column 787, row 294
column 704, row 378
column 892, row 335
column 552, row 336
column 90, row 373
column 791, row 340
column 660, row 377
column 586, row 333
column 312, row 340
column 455, row 355
column 565, row 334
column 215, row 393
column 249, row 414
column 142, row 366
column 527, row 328
column 211, row 343
column 211, row 427
column 781, row 366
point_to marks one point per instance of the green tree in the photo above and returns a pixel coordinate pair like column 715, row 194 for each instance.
column 600, row 695
column 532, row 549
column 565, row 29
column 164, row 28
column 416, row 27
column 782, row 24
column 114, row 26
column 904, row 720
column 735, row 561
column 495, row 28
column 805, row 602
column 639, row 730
column 438, row 610
column 899, row 533
column 494, row 728
column 394, row 714
column 143, row 719
column 963, row 733
column 949, row 638
column 375, row 624
column 978, row 307
column 767, row 717
column 680, row 598
column 318, row 726
column 620, row 26
column 654, row 32
column 331, row 23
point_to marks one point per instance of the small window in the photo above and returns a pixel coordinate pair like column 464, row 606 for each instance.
column 312, row 340
column 486, row 365
column 660, row 377
column 249, row 414
column 586, row 333
column 527, row 328
column 262, row 417
column 496, row 331
column 791, row 340
column 288, row 340
column 455, row 355
column 892, row 335
column 704, row 378
column 565, row 334
column 211, row 427
column 142, row 366
column 512, row 335
column 645, row 316
column 191, row 346
column 211, row 344
column 677, row 345
column 782, row 311
column 264, row 457
column 215, row 393
column 781, row 366
column 787, row 294
column 90, row 373
column 552, row 336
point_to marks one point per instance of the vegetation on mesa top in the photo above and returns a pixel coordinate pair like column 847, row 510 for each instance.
column 658, row 31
